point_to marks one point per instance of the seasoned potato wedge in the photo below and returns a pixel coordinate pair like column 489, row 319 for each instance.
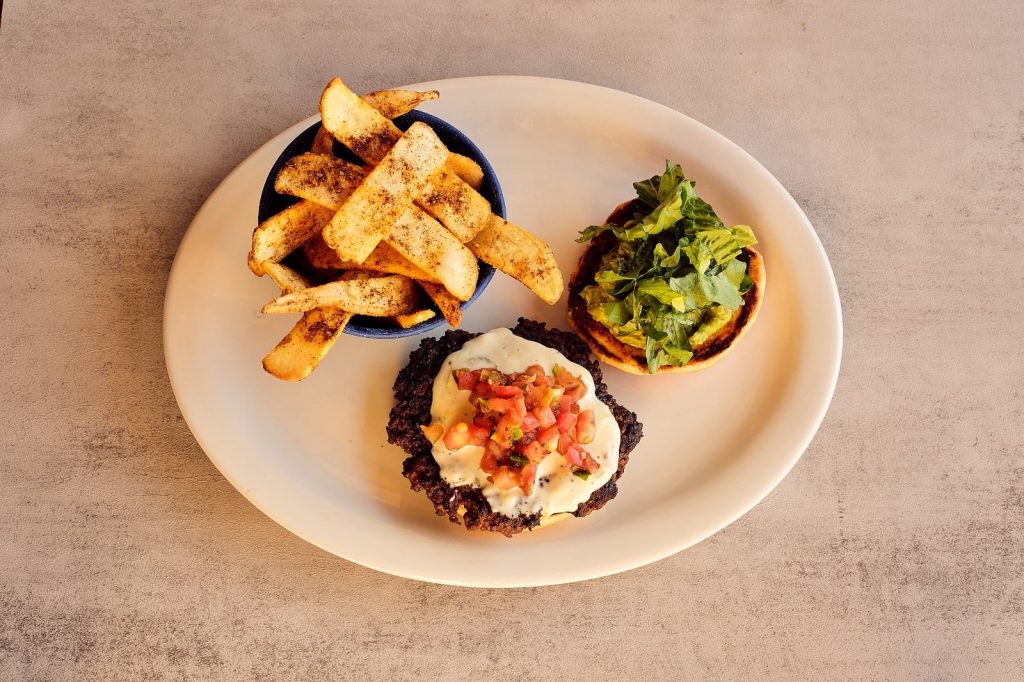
column 466, row 168
column 298, row 353
column 322, row 179
column 448, row 305
column 385, row 194
column 283, row 232
column 329, row 181
column 312, row 337
column 321, row 256
column 386, row 259
column 423, row 249
column 369, row 134
column 414, row 318
column 520, row 254
column 423, row 241
column 356, row 124
column 455, row 205
column 378, row 296
column 394, row 103
column 350, row 275
column 285, row 277
column 323, row 142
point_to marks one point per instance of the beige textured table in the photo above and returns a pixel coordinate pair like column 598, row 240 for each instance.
column 893, row 550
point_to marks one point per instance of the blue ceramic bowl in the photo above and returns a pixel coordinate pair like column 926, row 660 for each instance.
column 376, row 328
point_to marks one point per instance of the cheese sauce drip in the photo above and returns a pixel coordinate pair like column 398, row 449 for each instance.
column 557, row 489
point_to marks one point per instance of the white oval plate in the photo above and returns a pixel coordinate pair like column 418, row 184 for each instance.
column 314, row 455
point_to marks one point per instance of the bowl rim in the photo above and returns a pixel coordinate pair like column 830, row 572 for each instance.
column 447, row 132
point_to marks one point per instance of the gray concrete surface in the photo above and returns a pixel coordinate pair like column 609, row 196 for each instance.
column 893, row 550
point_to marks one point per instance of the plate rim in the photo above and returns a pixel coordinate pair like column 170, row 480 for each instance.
column 768, row 484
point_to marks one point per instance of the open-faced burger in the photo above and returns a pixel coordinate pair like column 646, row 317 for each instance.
column 510, row 429
column 664, row 285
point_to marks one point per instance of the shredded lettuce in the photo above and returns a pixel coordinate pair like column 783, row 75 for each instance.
column 673, row 278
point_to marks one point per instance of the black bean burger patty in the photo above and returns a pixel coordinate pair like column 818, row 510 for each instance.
column 414, row 392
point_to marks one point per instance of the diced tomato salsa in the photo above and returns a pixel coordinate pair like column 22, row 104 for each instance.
column 521, row 418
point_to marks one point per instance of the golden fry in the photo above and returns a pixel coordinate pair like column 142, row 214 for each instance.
column 520, row 254
column 385, row 194
column 423, row 241
column 379, row 297
column 321, row 256
column 466, row 168
column 370, row 135
column 449, row 306
column 285, row 277
column 386, row 258
column 324, row 180
column 323, row 142
column 414, row 318
column 297, row 354
column 282, row 233
column 356, row 124
column 394, row 103
column 328, row 182
column 310, row 339
column 455, row 205
column 432, row 253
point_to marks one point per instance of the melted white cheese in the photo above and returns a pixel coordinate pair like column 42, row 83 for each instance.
column 556, row 489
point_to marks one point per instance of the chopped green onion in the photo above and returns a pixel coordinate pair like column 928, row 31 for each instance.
column 518, row 459
column 582, row 473
column 515, row 434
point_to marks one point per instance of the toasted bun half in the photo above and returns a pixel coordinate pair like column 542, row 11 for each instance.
column 631, row 359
